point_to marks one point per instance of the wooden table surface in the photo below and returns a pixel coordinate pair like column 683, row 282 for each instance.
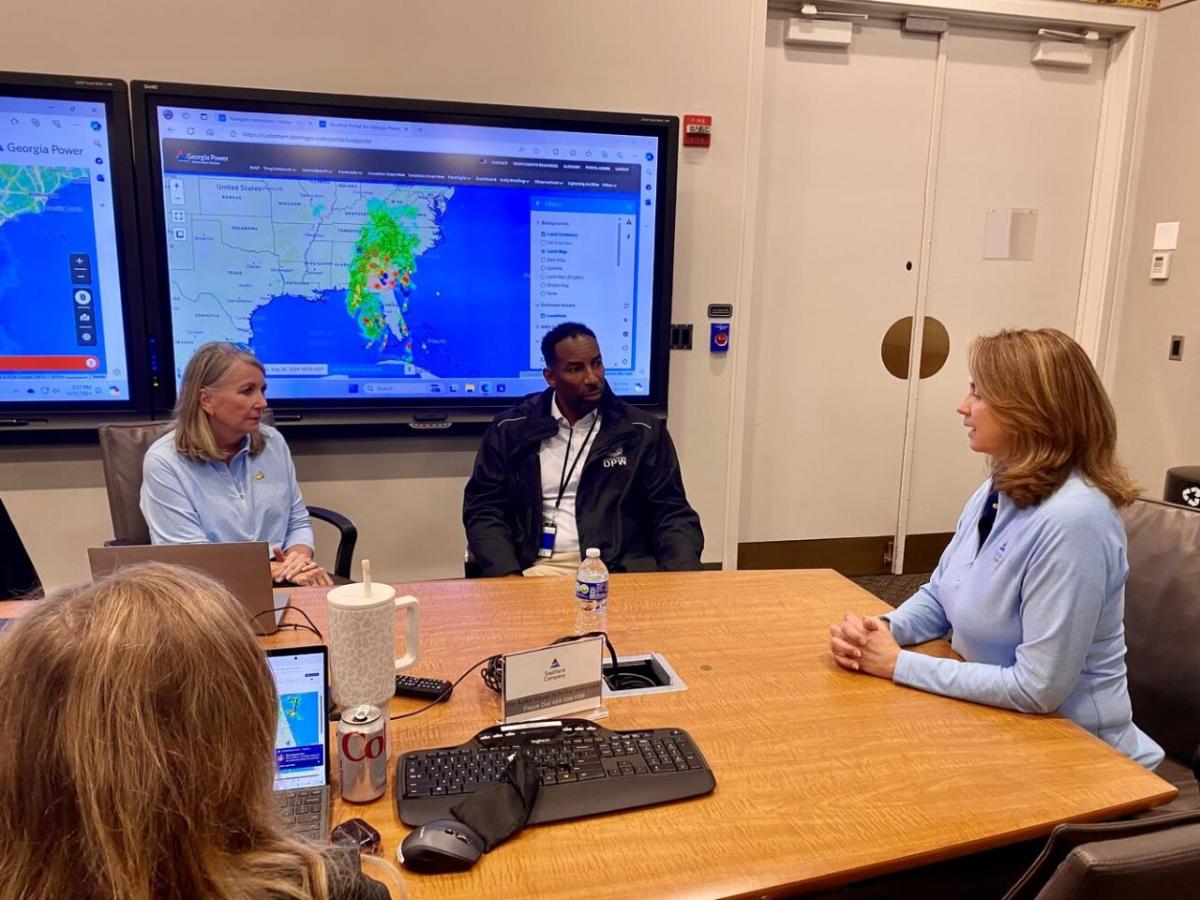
column 823, row 776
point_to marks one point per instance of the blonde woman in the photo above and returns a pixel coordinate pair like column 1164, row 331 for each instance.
column 222, row 475
column 1033, row 582
column 137, row 753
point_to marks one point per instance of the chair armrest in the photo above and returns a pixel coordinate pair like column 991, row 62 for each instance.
column 1159, row 864
column 348, row 537
column 1066, row 837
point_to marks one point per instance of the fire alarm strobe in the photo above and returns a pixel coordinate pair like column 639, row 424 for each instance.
column 697, row 131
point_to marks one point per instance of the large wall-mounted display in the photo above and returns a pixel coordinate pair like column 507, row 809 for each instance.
column 383, row 257
column 71, row 338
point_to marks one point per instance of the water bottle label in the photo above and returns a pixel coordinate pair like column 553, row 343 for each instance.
column 591, row 590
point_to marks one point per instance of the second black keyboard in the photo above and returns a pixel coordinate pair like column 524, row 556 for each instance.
column 586, row 769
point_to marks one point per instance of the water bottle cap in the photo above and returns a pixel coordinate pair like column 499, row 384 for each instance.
column 593, row 553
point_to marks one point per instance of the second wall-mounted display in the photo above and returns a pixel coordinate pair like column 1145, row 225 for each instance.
column 382, row 257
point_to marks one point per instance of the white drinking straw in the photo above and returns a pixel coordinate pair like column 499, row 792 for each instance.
column 367, row 578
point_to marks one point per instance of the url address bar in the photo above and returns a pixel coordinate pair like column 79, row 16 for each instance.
column 305, row 138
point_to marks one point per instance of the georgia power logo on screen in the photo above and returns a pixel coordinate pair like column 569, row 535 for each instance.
column 1191, row 496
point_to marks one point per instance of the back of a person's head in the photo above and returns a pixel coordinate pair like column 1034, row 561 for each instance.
column 136, row 753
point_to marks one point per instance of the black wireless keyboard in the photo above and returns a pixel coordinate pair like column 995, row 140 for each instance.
column 585, row 769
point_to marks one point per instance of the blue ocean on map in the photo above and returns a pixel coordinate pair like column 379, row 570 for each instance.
column 300, row 714
column 37, row 312
column 468, row 306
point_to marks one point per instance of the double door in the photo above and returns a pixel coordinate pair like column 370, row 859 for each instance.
column 913, row 187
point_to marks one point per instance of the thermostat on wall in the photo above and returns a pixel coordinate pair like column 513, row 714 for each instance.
column 1160, row 265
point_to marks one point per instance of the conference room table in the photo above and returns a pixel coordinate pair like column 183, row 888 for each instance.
column 824, row 777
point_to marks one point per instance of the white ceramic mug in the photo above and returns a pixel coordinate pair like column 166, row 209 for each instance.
column 362, row 642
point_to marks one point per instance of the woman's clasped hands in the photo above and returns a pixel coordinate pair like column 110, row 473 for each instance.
column 864, row 644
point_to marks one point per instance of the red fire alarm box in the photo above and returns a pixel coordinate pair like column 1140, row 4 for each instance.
column 697, row 131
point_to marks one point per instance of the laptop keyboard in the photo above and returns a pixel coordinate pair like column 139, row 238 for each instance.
column 303, row 811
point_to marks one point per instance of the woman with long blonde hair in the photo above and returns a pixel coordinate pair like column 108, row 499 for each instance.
column 1033, row 582
column 137, row 753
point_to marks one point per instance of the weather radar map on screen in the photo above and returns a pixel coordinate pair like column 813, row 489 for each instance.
column 382, row 259
column 297, row 724
column 62, row 335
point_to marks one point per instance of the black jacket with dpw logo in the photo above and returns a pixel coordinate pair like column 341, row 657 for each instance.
column 630, row 502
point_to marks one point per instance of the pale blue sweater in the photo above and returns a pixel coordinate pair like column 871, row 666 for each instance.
column 254, row 498
column 1036, row 613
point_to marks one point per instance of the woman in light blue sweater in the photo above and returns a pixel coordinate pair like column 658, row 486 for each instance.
column 1033, row 582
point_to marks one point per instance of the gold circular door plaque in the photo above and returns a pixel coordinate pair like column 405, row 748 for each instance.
column 897, row 343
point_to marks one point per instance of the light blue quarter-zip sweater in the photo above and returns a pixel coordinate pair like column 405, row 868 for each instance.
column 1036, row 612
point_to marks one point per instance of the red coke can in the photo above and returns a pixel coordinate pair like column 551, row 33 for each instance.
column 362, row 754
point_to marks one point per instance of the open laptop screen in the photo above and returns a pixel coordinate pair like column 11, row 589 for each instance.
column 301, row 736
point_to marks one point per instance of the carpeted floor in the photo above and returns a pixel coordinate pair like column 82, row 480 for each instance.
column 893, row 589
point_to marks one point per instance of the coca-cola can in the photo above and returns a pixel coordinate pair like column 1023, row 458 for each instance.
column 362, row 753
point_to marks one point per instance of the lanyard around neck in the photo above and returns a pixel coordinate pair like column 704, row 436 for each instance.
column 566, row 474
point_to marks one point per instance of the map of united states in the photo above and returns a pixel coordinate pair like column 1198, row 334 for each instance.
column 241, row 244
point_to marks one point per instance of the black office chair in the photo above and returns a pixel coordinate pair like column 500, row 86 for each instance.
column 18, row 577
column 122, row 448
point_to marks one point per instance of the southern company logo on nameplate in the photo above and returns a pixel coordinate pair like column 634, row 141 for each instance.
column 552, row 681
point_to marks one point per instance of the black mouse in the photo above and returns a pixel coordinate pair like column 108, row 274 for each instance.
column 443, row 845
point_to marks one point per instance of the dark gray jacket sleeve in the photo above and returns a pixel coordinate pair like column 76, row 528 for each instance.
column 487, row 511
column 678, row 537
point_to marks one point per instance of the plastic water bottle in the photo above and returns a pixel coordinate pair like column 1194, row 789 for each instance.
column 591, row 593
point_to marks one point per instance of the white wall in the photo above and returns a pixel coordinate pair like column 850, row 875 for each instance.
column 669, row 56
column 1157, row 399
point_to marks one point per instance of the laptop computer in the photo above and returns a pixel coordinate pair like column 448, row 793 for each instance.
column 244, row 568
column 302, row 738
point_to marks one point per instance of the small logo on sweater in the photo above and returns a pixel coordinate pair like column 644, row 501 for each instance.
column 998, row 556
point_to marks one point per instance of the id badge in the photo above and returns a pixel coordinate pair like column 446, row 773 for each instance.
column 546, row 544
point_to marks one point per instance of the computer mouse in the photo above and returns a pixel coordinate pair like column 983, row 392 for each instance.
column 443, row 845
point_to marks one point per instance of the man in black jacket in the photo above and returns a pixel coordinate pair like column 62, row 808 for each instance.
column 576, row 467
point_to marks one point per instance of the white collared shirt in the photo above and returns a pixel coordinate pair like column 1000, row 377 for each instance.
column 551, row 455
